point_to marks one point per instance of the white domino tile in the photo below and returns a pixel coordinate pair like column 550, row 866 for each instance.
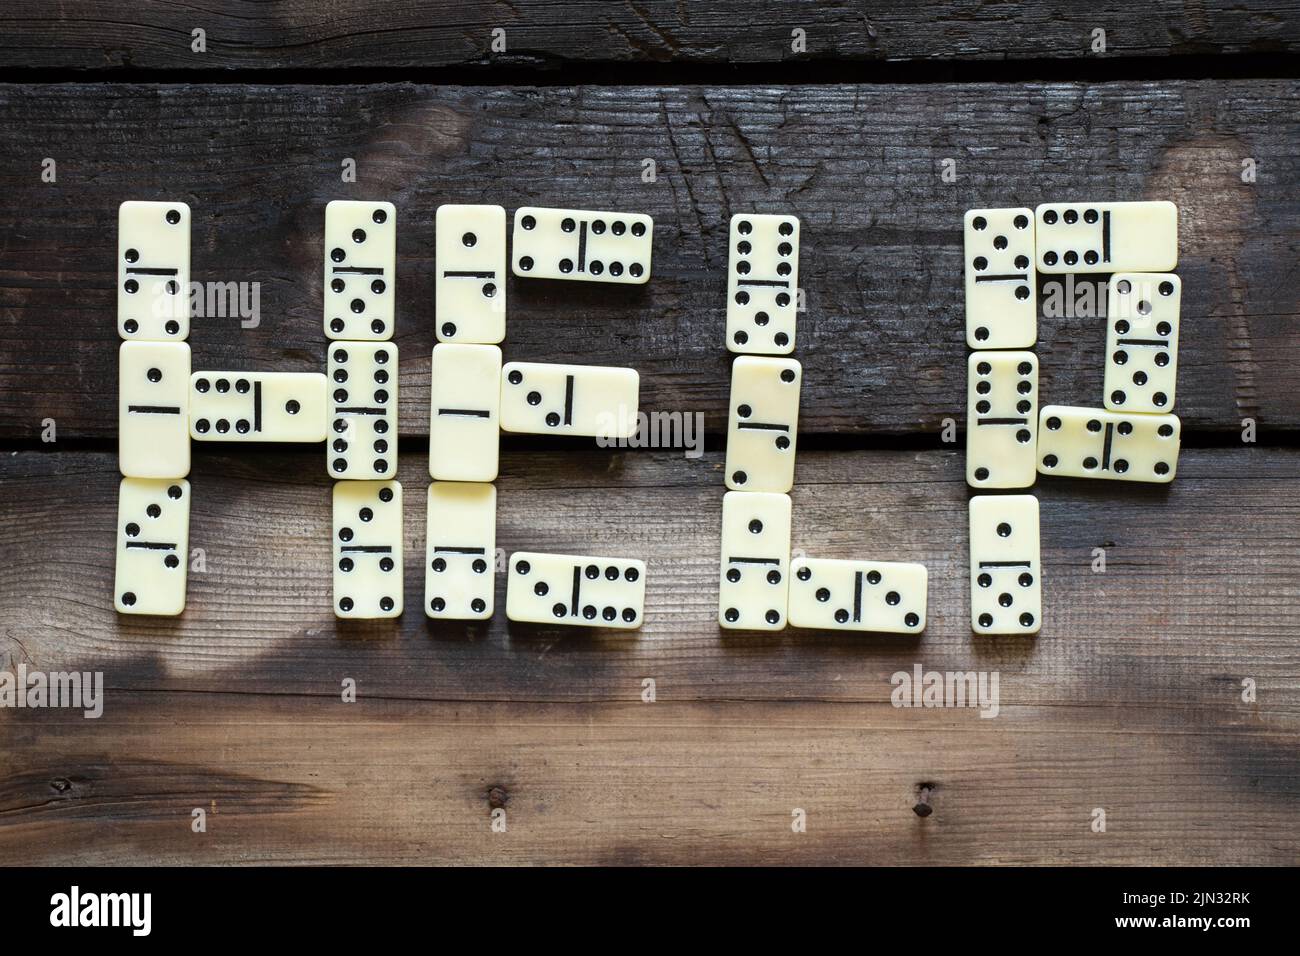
column 153, row 434
column 1001, row 419
column 470, row 281
column 363, row 410
column 465, row 412
column 881, row 596
column 153, row 271
column 367, row 549
column 575, row 589
column 754, row 589
column 153, row 534
column 460, row 550
column 1005, row 567
column 1094, row 443
column 762, row 283
column 1001, row 284
column 590, row 400
column 763, row 425
column 1106, row 237
column 1142, row 319
column 257, row 406
column 360, row 270
column 582, row 245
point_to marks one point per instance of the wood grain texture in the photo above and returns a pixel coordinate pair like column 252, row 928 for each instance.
column 882, row 338
column 1130, row 699
column 99, row 35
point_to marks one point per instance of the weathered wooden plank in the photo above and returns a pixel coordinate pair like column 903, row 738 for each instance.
column 1180, row 609
column 1129, row 700
column 881, row 340
column 394, row 781
column 549, row 35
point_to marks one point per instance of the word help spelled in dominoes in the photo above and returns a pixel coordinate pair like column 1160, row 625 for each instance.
column 1142, row 341
column 1001, row 419
column 1005, row 570
column 883, row 596
column 153, row 271
column 470, row 282
column 464, row 412
column 754, row 591
column 574, row 589
column 367, row 549
column 153, row 535
column 363, row 399
column 360, row 269
column 764, row 423
column 762, row 283
column 592, row 400
column 1106, row 237
column 1001, row 284
column 153, row 422
column 582, row 245
column 1093, row 443
column 257, row 406
column 460, row 556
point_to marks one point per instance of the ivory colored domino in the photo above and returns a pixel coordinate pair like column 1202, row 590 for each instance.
column 1001, row 284
column 465, row 412
column 762, row 283
column 575, row 589
column 153, row 271
column 882, row 596
column 592, row 400
column 360, row 270
column 1005, row 569
column 470, row 282
column 1142, row 318
column 764, row 423
column 367, row 549
column 460, row 550
column 153, row 541
column 363, row 410
column 1106, row 236
column 1093, row 443
column 1001, row 419
column 257, row 406
column 153, row 421
column 582, row 245
column 753, row 593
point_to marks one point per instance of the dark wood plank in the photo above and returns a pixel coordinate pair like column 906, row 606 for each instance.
column 1129, row 700
column 548, row 35
column 882, row 340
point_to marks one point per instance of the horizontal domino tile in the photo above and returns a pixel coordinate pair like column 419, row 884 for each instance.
column 763, row 423
column 576, row 590
column 555, row 399
column 1120, row 446
column 1089, row 237
column 1005, row 565
column 464, row 412
column 153, row 534
column 470, row 277
column 460, row 550
column 1142, row 316
column 153, row 435
column 582, row 245
column 257, row 406
column 153, row 271
column 880, row 596
column 362, row 387
column 367, row 549
column 1001, row 282
column 360, row 266
column 762, row 284
column 1001, row 419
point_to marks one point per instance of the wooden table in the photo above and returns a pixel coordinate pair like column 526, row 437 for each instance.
column 1136, row 697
